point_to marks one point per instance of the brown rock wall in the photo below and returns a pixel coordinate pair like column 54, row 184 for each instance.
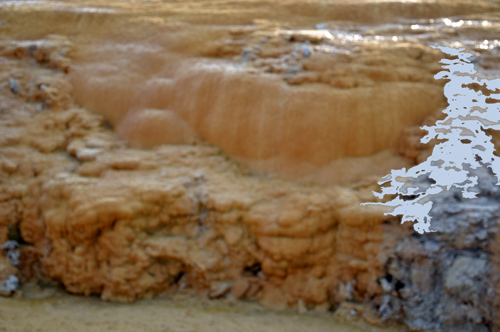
column 100, row 218
column 108, row 237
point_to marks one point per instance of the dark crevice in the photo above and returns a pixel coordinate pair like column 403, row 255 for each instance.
column 254, row 269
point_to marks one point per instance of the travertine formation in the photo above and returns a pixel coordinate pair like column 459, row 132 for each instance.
column 190, row 192
column 125, row 223
column 297, row 110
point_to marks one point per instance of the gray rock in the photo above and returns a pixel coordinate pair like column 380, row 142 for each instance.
column 9, row 285
column 13, row 252
column 442, row 280
column 14, row 87
column 463, row 275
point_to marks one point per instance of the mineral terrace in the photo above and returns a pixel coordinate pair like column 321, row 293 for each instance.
column 223, row 149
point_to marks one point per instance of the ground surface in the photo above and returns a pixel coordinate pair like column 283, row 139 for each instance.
column 54, row 311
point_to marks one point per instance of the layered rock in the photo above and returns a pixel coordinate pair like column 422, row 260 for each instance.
column 125, row 223
column 290, row 115
column 100, row 217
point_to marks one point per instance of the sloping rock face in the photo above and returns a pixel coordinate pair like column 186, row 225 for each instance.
column 190, row 214
column 297, row 110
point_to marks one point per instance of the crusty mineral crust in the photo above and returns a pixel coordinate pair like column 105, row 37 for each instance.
column 100, row 217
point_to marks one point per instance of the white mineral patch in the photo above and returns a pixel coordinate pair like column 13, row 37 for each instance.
column 466, row 145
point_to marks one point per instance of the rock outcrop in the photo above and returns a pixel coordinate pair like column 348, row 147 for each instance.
column 101, row 218
column 139, row 164
column 274, row 103
column 445, row 281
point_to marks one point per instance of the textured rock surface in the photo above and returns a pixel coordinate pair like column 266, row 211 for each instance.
column 311, row 111
column 100, row 217
column 446, row 281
